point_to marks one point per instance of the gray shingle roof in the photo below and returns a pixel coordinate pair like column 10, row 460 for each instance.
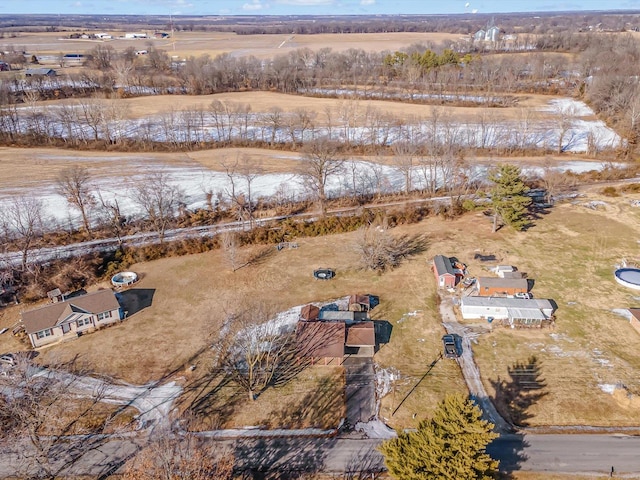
column 49, row 315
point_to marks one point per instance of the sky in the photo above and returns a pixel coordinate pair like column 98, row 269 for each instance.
column 302, row 7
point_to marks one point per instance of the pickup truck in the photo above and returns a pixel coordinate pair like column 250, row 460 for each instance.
column 450, row 345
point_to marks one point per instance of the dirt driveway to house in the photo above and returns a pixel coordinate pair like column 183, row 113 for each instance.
column 469, row 368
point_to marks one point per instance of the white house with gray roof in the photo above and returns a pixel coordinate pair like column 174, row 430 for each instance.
column 72, row 317
column 511, row 311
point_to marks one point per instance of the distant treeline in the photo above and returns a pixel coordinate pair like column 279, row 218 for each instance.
column 535, row 22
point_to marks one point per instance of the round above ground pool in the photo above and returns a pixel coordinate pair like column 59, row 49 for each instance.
column 123, row 279
column 629, row 277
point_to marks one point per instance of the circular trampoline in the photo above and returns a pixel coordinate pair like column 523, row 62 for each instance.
column 123, row 279
column 629, row 277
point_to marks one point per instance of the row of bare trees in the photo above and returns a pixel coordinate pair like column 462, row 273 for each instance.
column 24, row 224
column 302, row 69
column 356, row 125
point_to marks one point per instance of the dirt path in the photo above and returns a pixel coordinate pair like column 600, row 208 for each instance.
column 469, row 368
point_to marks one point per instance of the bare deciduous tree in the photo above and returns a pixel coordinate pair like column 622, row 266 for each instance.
column 565, row 117
column 175, row 458
column 321, row 161
column 380, row 250
column 159, row 200
column 255, row 350
column 242, row 199
column 230, row 246
column 112, row 216
column 23, row 221
column 41, row 430
column 404, row 153
column 74, row 184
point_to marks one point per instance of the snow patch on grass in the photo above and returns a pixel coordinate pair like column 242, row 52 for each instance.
column 623, row 312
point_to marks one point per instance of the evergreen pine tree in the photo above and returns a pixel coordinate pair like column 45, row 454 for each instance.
column 508, row 197
column 450, row 445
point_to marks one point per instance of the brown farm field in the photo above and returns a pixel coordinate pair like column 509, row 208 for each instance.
column 187, row 44
column 266, row 102
column 570, row 254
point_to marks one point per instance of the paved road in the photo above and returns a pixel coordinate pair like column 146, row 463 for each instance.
column 568, row 453
column 579, row 454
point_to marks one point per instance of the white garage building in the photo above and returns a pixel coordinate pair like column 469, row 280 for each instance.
column 510, row 311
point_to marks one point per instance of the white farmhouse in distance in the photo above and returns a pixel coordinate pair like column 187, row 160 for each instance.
column 135, row 35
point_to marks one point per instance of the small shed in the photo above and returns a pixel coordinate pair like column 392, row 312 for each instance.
column 443, row 271
column 512, row 275
column 55, row 295
column 309, row 313
column 491, row 286
column 359, row 303
column 502, row 269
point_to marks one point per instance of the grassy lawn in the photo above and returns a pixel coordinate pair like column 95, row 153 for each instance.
column 313, row 398
column 570, row 254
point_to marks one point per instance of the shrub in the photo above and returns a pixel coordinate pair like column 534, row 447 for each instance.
column 609, row 192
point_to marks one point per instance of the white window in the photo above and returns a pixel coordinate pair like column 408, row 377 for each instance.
column 83, row 321
column 44, row 333
column 103, row 315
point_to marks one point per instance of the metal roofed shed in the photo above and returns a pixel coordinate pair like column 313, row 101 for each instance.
column 40, row 72
column 502, row 269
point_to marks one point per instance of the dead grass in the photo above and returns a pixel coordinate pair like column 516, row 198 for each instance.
column 31, row 168
column 570, row 254
column 313, row 399
column 264, row 102
column 186, row 44
column 85, row 417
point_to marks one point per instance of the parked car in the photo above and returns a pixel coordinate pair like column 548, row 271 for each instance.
column 8, row 359
column 324, row 274
column 450, row 344
column 524, row 296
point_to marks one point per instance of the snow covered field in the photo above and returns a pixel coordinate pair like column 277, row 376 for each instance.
column 567, row 125
column 581, row 131
column 196, row 181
